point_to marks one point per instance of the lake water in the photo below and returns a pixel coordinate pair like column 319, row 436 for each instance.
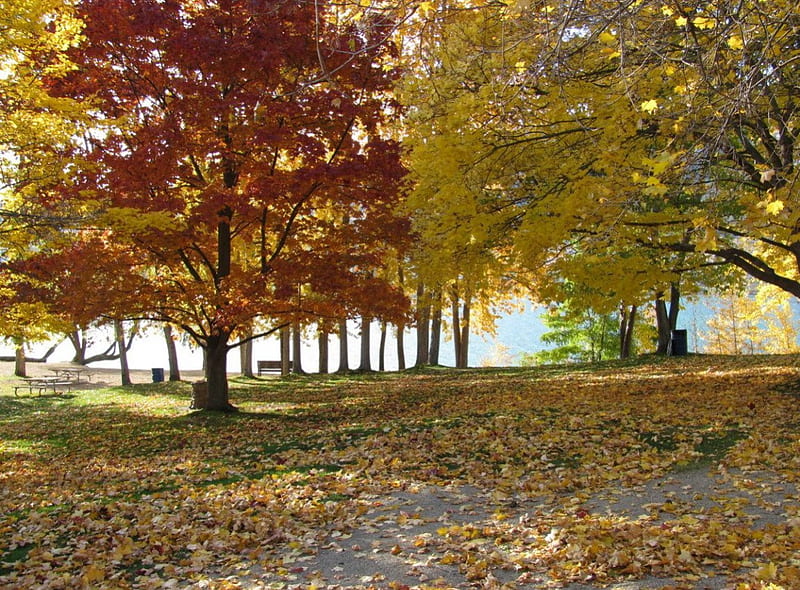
column 517, row 333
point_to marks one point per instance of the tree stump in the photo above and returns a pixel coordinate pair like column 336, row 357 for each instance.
column 199, row 395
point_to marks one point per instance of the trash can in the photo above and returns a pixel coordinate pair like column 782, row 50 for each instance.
column 158, row 375
column 678, row 344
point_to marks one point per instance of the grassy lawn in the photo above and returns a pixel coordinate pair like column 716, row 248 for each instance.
column 128, row 488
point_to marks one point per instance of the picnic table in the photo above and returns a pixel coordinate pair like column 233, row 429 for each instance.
column 71, row 374
column 41, row 384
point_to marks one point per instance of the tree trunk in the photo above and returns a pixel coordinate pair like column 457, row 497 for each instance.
column 323, row 350
column 436, row 329
column 216, row 355
column 79, row 344
column 119, row 333
column 382, row 348
column 667, row 318
column 297, row 345
column 246, row 356
column 172, row 354
column 286, row 344
column 40, row 359
column 112, row 353
column 19, row 358
column 344, row 361
column 423, row 327
column 366, row 360
column 401, row 353
column 627, row 318
column 465, row 317
column 662, row 326
column 456, row 328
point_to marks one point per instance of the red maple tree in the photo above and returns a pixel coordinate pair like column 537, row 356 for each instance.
column 237, row 152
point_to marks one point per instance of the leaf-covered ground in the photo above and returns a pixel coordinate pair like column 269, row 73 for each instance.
column 678, row 472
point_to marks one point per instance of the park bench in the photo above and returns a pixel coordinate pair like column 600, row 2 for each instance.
column 270, row 366
column 42, row 384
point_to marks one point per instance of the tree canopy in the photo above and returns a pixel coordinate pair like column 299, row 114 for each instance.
column 235, row 153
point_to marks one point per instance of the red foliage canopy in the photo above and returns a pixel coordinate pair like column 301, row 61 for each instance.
column 237, row 151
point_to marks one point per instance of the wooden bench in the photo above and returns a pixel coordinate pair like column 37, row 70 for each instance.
column 42, row 384
column 271, row 366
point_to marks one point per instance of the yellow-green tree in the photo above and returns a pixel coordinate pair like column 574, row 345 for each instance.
column 33, row 46
column 755, row 319
column 651, row 132
column 34, row 38
column 462, row 255
column 513, row 161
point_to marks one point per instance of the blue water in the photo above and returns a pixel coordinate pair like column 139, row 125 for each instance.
column 517, row 333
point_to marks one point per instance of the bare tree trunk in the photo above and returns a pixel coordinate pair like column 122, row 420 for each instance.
column 297, row 347
column 366, row 361
column 28, row 359
column 465, row 317
column 423, row 326
column 627, row 318
column 344, row 361
column 19, row 358
column 79, row 344
column 401, row 353
column 382, row 348
column 436, row 328
column 119, row 333
column 172, row 354
column 456, row 328
column 323, row 350
column 667, row 318
column 285, row 338
column 246, row 355
column 216, row 371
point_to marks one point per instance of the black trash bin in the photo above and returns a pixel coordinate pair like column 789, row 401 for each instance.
column 158, row 375
column 678, row 344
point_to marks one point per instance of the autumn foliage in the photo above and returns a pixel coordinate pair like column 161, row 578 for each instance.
column 105, row 488
column 236, row 155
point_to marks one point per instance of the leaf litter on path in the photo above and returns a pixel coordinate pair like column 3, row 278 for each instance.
column 419, row 537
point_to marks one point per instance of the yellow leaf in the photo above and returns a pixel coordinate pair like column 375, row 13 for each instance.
column 767, row 571
column 94, row 573
column 735, row 43
column 650, row 106
column 608, row 38
column 774, row 208
column 702, row 22
column 681, row 21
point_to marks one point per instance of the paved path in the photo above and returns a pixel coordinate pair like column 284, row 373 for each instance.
column 398, row 541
